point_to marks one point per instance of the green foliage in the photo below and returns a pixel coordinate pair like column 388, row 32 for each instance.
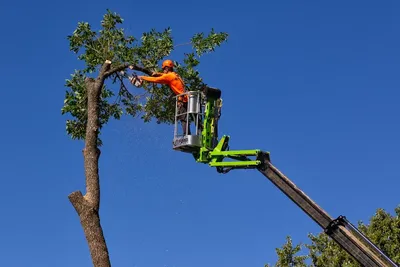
column 75, row 103
column 287, row 255
column 383, row 230
column 111, row 42
column 207, row 44
column 323, row 251
column 154, row 47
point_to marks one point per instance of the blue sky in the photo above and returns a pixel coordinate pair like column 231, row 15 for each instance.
column 314, row 82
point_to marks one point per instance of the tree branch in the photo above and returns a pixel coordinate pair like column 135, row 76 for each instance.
column 124, row 87
column 188, row 43
column 77, row 201
column 105, row 68
column 124, row 66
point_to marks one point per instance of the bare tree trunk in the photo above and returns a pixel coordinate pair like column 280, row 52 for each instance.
column 88, row 206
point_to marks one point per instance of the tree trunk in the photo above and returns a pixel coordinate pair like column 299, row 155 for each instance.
column 88, row 206
column 90, row 221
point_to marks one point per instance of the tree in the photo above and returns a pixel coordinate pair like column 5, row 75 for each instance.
column 383, row 230
column 97, row 93
column 287, row 255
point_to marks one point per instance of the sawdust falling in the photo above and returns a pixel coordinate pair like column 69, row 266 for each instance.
column 140, row 145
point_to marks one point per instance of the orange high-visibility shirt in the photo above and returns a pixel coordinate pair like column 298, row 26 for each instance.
column 171, row 79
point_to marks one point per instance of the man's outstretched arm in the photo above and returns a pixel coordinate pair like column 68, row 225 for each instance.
column 157, row 74
column 163, row 79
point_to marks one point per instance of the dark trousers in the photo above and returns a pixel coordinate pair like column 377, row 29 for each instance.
column 182, row 108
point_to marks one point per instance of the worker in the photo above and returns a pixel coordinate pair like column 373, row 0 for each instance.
column 175, row 82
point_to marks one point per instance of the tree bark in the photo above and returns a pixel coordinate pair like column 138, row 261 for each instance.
column 88, row 206
column 90, row 221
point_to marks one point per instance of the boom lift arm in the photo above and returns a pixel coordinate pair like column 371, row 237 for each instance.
column 206, row 148
column 339, row 229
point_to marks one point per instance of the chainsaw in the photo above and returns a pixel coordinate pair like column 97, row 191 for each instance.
column 134, row 79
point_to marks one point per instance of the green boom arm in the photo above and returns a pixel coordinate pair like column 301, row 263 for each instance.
column 217, row 154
